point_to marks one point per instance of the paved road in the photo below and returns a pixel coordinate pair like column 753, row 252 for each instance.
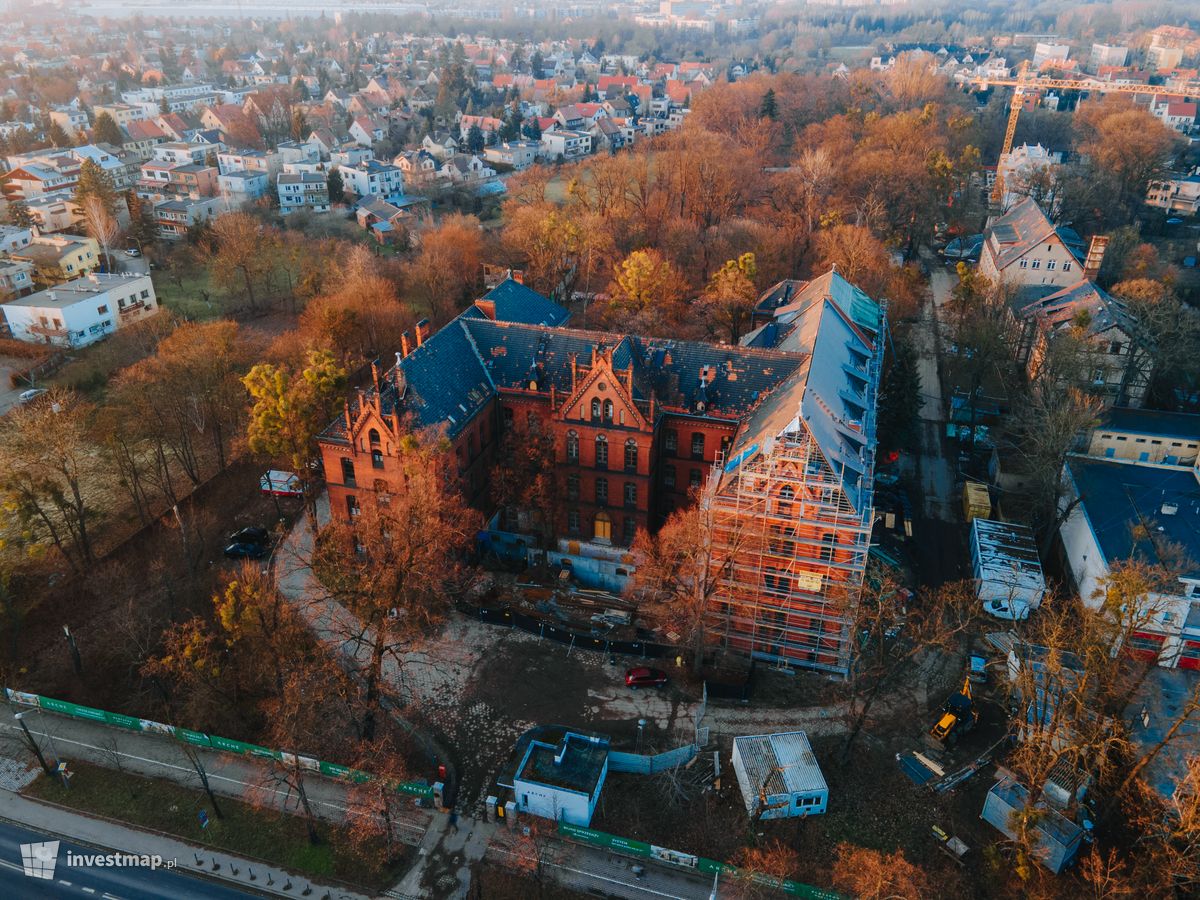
column 100, row 882
column 937, row 474
column 130, row 264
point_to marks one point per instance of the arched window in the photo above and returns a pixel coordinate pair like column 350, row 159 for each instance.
column 631, row 454
column 572, row 446
column 787, row 493
column 376, row 449
column 608, row 410
column 602, row 527
column 595, row 407
column 601, row 451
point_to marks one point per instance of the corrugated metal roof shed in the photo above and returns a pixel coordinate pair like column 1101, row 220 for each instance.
column 1007, row 553
column 781, row 763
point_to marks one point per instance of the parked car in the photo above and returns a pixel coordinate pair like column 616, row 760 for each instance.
column 243, row 550
column 281, row 484
column 977, row 668
column 31, row 394
column 252, row 534
column 133, row 251
column 643, row 676
column 1007, row 609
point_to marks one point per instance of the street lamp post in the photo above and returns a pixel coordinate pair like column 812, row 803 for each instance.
column 37, row 751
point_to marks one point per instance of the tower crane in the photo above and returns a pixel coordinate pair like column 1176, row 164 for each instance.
column 1024, row 82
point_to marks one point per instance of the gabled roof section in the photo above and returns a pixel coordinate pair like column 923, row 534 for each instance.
column 789, row 300
column 1078, row 302
column 832, row 396
column 512, row 301
column 1024, row 227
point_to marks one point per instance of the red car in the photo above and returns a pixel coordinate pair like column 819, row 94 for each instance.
column 644, row 677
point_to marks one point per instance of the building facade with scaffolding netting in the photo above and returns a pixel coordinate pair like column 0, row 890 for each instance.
column 789, row 507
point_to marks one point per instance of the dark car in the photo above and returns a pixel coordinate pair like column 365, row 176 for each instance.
column 645, row 677
column 252, row 534
column 244, row 550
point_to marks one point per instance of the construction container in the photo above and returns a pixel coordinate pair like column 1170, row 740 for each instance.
column 977, row 503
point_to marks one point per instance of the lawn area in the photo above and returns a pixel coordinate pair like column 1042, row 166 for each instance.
column 186, row 296
column 262, row 834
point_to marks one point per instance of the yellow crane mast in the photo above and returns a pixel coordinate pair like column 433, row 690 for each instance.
column 1023, row 82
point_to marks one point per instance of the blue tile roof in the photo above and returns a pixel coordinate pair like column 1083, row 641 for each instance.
column 517, row 303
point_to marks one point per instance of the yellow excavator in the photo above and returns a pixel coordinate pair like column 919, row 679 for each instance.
column 958, row 717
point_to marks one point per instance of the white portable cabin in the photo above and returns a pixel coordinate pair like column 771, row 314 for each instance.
column 779, row 775
column 1007, row 569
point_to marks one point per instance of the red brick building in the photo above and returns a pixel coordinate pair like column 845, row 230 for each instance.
column 638, row 423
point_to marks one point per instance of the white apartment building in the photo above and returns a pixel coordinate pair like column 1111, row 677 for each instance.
column 82, row 311
column 303, row 190
column 373, row 179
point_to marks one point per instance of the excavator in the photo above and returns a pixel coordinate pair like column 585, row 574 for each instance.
column 958, row 717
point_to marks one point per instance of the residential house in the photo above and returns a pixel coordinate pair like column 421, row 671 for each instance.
column 367, row 131
column 266, row 161
column 1119, row 512
column 71, row 119
column 441, row 144
column 1118, row 362
column 1177, row 194
column 324, row 141
column 374, row 179
column 1178, row 114
column 82, row 311
column 566, row 145
column 16, row 277
column 175, row 216
column 38, row 179
column 1022, row 247
column 141, row 137
column 1148, row 437
column 418, row 166
column 54, row 212
column 516, row 154
column 60, row 257
column 14, row 237
column 462, row 168
column 242, row 187
column 488, row 125
column 164, row 180
column 124, row 114
column 780, row 440
column 303, row 191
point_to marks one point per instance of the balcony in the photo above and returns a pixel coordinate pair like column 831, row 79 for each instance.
column 132, row 308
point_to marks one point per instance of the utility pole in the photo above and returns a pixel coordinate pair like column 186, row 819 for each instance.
column 33, row 745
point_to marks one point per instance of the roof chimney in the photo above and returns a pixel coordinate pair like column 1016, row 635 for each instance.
column 422, row 331
column 403, row 348
column 1095, row 256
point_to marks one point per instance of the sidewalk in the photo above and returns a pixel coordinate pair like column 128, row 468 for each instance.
column 445, row 859
column 246, row 874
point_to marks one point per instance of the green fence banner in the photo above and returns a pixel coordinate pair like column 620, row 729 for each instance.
column 200, row 739
column 709, row 866
column 123, row 721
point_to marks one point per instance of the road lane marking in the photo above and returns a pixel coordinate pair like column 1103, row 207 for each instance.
column 87, row 890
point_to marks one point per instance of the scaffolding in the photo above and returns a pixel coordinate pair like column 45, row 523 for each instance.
column 789, row 543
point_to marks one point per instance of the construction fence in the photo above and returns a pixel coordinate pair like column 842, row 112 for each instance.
column 641, row 764
column 619, row 844
column 205, row 741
